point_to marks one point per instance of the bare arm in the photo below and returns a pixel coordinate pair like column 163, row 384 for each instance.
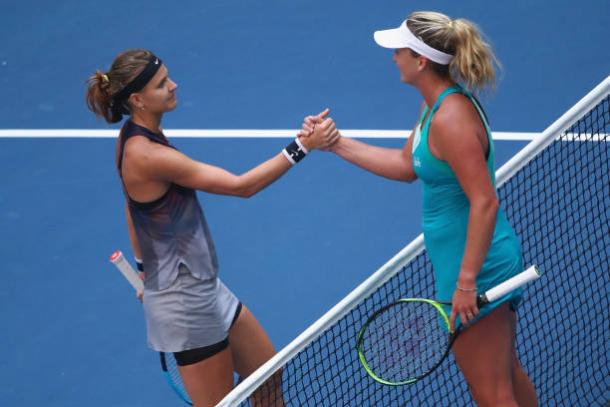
column 163, row 164
column 390, row 163
column 457, row 140
column 459, row 145
column 135, row 247
column 172, row 166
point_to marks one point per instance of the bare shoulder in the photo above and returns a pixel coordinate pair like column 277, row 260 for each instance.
column 149, row 158
column 455, row 115
column 141, row 147
column 457, row 129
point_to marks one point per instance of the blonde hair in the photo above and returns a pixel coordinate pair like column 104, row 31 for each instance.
column 474, row 62
column 102, row 86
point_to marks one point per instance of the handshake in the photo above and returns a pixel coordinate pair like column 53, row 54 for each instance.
column 319, row 132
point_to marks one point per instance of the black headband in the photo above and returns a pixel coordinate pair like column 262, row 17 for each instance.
column 139, row 81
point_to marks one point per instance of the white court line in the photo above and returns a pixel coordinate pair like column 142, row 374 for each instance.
column 230, row 133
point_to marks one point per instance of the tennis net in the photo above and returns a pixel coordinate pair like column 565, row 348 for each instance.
column 556, row 194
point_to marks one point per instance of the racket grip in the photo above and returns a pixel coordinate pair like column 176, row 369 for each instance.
column 531, row 274
column 128, row 272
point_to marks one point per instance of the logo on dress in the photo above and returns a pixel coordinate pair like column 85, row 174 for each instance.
column 416, row 162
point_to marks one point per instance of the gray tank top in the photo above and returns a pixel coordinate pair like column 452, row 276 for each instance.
column 170, row 230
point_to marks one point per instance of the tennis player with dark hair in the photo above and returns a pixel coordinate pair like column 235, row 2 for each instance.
column 188, row 310
column 468, row 239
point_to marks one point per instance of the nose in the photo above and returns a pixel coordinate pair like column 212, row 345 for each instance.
column 172, row 85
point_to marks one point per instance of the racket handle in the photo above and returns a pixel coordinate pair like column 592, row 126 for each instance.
column 531, row 274
column 128, row 272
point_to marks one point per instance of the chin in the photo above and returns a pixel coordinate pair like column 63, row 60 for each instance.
column 406, row 80
column 172, row 105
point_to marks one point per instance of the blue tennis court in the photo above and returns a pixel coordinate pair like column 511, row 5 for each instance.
column 74, row 333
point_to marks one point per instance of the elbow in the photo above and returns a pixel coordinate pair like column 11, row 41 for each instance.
column 406, row 179
column 246, row 193
column 494, row 204
column 407, row 172
column 407, row 176
column 243, row 190
column 487, row 205
column 240, row 187
column 410, row 177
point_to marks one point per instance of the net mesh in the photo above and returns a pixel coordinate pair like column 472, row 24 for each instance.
column 559, row 205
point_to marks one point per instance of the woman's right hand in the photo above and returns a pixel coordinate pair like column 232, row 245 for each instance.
column 309, row 123
column 323, row 136
column 319, row 132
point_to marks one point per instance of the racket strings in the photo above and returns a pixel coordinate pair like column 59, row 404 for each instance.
column 173, row 376
column 405, row 341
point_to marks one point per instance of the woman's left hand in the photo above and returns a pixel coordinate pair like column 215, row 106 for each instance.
column 464, row 305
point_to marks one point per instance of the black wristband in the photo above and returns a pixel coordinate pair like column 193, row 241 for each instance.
column 295, row 151
column 139, row 265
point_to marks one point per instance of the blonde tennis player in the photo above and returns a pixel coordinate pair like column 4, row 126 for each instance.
column 468, row 238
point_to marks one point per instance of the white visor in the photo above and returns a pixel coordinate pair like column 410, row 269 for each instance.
column 402, row 37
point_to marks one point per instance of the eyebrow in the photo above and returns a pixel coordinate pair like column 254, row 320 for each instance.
column 162, row 81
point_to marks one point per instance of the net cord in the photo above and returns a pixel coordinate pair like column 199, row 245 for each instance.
column 560, row 125
column 389, row 269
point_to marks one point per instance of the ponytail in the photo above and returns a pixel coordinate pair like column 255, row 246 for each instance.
column 99, row 98
column 474, row 59
column 474, row 62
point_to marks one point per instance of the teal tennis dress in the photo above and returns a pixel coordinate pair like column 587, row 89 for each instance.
column 445, row 219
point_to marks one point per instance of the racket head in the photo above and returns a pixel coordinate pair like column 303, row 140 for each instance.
column 405, row 341
column 172, row 375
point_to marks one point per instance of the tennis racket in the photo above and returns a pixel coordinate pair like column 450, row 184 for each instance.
column 405, row 341
column 168, row 363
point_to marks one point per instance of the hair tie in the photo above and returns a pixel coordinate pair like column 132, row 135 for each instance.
column 105, row 78
column 451, row 24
